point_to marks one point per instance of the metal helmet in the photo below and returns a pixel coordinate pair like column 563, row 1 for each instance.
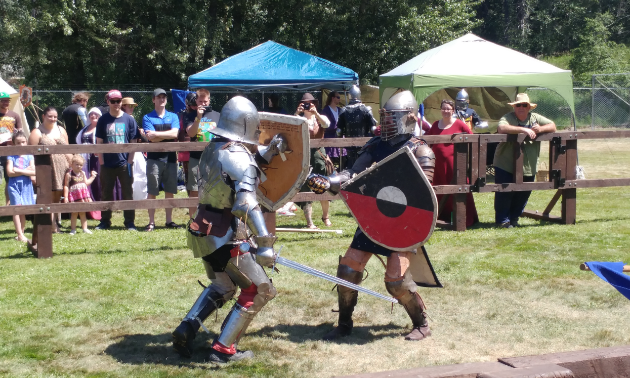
column 398, row 116
column 461, row 100
column 239, row 121
column 355, row 92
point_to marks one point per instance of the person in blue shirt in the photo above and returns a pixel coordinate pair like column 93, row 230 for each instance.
column 161, row 126
column 116, row 127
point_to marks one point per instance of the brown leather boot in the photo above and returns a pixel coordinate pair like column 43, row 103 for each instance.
column 419, row 333
column 347, row 300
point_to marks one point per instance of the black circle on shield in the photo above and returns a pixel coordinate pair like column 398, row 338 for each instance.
column 391, row 201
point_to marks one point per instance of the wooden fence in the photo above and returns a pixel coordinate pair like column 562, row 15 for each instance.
column 469, row 175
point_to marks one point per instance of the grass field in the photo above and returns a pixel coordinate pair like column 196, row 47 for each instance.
column 105, row 304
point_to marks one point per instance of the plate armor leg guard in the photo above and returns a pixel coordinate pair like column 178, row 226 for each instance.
column 249, row 303
column 405, row 291
column 185, row 333
column 347, row 301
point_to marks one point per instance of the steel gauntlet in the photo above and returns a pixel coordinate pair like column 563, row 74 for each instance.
column 277, row 145
column 265, row 255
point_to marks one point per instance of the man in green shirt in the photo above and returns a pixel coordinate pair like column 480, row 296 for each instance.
column 508, row 206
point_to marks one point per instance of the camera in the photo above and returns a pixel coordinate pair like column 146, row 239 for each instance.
column 306, row 105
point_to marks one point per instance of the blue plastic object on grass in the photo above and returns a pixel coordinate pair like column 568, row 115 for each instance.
column 612, row 272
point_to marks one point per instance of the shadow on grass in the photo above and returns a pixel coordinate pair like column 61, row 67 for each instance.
column 299, row 333
column 157, row 349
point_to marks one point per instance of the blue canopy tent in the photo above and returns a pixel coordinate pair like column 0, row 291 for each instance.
column 272, row 66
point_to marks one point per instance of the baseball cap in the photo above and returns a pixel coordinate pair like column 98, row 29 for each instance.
column 4, row 95
column 114, row 93
column 158, row 92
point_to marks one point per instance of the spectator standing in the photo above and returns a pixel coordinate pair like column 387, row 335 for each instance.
column 116, row 127
column 20, row 169
column 273, row 104
column 50, row 134
column 9, row 123
column 75, row 189
column 199, row 125
column 87, row 136
column 182, row 136
column 75, row 116
column 139, row 161
column 508, row 206
column 317, row 123
column 444, row 153
column 161, row 126
column 332, row 111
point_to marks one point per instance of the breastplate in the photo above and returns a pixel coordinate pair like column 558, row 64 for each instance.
column 214, row 189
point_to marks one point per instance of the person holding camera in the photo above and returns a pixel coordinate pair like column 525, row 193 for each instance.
column 320, row 162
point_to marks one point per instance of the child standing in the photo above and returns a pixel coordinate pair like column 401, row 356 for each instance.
column 75, row 189
column 20, row 169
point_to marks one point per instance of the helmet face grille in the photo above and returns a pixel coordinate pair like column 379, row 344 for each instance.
column 396, row 122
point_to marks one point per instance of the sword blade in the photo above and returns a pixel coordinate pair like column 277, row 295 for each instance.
column 328, row 277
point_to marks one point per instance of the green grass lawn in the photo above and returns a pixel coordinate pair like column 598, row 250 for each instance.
column 106, row 303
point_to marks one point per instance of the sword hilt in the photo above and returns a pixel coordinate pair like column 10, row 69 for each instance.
column 273, row 268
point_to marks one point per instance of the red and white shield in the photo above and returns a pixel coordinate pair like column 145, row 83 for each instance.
column 393, row 202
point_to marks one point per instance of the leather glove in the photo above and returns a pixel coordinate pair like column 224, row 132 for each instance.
column 317, row 183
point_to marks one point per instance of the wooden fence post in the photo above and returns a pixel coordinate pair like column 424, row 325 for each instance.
column 41, row 246
column 569, row 195
column 460, row 171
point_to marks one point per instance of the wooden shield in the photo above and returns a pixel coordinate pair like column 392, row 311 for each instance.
column 393, row 202
column 284, row 177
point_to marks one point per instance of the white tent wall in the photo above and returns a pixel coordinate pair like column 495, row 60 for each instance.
column 15, row 104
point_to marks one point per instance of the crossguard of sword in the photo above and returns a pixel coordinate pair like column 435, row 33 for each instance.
column 273, row 268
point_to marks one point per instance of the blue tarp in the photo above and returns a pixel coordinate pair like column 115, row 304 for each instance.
column 612, row 272
column 273, row 66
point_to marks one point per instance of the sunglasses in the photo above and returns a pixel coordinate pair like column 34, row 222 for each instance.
column 521, row 105
column 115, row 101
column 338, row 98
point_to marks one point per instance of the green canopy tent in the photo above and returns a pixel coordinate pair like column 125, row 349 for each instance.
column 472, row 62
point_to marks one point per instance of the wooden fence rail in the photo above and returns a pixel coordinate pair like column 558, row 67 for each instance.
column 469, row 175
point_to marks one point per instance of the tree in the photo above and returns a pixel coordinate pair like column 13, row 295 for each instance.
column 97, row 43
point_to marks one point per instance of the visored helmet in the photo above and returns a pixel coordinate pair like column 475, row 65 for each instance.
column 239, row 121
column 461, row 100
column 398, row 116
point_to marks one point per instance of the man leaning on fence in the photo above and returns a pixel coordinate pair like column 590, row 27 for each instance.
column 508, row 206
column 161, row 126
column 116, row 127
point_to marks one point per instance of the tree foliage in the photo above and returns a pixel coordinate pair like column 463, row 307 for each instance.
column 63, row 43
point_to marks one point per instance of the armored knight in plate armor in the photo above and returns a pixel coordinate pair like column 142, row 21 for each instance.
column 398, row 120
column 468, row 115
column 229, row 233
column 356, row 120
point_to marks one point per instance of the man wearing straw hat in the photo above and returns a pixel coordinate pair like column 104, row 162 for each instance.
column 508, row 206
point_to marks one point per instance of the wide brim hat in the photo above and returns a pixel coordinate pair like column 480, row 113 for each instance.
column 523, row 98
column 309, row 97
column 128, row 101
